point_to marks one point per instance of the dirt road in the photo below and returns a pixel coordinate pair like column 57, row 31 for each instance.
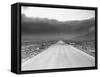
column 59, row 56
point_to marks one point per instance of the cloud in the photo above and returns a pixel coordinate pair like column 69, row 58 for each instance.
column 57, row 13
column 46, row 27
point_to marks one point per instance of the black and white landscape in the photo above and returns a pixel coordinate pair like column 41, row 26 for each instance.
column 57, row 38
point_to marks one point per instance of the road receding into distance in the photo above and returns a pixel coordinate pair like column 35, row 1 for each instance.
column 59, row 55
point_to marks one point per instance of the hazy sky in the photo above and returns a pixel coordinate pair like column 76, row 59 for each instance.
column 58, row 14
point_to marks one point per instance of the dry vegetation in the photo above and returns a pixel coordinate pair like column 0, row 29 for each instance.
column 86, row 46
column 32, row 48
